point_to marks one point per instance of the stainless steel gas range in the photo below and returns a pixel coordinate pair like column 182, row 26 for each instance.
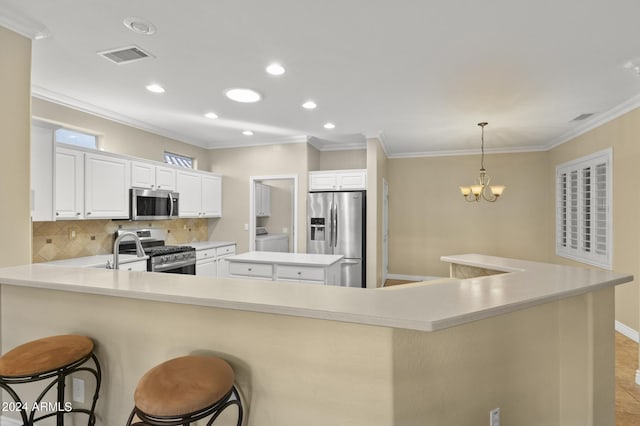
column 162, row 258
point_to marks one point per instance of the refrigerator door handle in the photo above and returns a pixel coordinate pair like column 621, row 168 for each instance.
column 335, row 215
column 331, row 224
column 350, row 262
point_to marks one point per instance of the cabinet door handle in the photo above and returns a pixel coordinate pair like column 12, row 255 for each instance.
column 57, row 213
column 78, row 214
column 88, row 213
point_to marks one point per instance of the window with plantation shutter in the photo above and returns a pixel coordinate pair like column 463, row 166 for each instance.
column 583, row 209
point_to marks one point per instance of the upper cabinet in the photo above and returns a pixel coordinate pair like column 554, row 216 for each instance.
column 69, row 184
column 338, row 180
column 106, row 192
column 151, row 176
column 91, row 186
column 262, row 200
column 200, row 194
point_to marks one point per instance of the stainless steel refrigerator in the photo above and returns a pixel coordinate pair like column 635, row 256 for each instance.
column 336, row 225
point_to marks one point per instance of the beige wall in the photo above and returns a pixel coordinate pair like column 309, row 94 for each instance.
column 376, row 171
column 622, row 134
column 428, row 217
column 119, row 138
column 237, row 165
column 342, row 160
column 15, row 125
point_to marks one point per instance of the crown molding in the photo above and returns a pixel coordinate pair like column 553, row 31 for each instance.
column 475, row 151
column 57, row 98
column 22, row 25
column 595, row 121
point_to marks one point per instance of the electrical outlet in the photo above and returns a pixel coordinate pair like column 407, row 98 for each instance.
column 246, row 226
column 78, row 390
column 494, row 417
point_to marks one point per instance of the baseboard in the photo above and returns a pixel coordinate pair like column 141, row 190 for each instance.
column 627, row 331
column 411, row 277
column 7, row 421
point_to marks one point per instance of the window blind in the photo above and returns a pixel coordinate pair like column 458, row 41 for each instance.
column 583, row 209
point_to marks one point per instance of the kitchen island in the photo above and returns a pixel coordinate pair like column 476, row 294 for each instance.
column 277, row 266
column 534, row 339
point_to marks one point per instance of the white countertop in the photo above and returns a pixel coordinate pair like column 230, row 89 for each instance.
column 97, row 261
column 286, row 258
column 427, row 307
column 204, row 245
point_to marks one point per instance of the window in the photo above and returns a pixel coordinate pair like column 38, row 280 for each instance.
column 73, row 137
column 583, row 209
column 178, row 160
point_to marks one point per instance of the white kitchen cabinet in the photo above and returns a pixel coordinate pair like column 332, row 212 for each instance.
column 165, row 178
column 42, row 160
column 262, row 200
column 138, row 265
column 106, row 188
column 69, row 184
column 90, row 186
column 211, row 196
column 200, row 194
column 211, row 262
column 151, row 176
column 299, row 267
column 338, row 180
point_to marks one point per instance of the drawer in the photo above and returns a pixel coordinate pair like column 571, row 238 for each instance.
column 306, row 273
column 205, row 254
column 221, row 251
column 261, row 270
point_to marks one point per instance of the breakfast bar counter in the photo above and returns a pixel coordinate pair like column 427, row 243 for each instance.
column 530, row 333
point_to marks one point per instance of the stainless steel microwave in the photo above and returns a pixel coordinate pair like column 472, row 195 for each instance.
column 148, row 204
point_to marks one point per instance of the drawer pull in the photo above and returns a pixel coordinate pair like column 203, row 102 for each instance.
column 249, row 269
column 299, row 273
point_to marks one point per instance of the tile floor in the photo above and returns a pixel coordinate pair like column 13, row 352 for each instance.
column 627, row 391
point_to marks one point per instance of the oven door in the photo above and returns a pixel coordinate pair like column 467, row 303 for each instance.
column 148, row 204
column 188, row 267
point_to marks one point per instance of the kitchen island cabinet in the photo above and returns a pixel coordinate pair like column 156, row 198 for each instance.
column 321, row 269
column 537, row 337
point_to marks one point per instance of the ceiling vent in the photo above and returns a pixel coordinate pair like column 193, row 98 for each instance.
column 125, row 55
column 583, row 116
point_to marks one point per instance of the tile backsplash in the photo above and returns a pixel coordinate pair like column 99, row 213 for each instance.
column 76, row 238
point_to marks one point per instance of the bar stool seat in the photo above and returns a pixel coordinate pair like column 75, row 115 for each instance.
column 44, row 355
column 49, row 357
column 185, row 389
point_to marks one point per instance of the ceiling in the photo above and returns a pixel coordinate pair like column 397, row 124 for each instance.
column 417, row 74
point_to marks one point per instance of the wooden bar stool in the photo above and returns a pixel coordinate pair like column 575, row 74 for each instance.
column 54, row 357
column 183, row 390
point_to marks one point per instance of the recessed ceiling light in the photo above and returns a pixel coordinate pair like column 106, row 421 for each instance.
column 275, row 69
column 242, row 95
column 155, row 88
column 139, row 25
column 247, row 133
column 329, row 126
column 309, row 105
column 211, row 115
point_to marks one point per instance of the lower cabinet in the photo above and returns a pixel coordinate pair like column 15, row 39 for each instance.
column 211, row 262
column 138, row 265
column 322, row 275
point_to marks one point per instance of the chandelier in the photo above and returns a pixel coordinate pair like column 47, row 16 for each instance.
column 479, row 190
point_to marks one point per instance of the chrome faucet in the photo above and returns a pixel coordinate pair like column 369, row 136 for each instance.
column 116, row 247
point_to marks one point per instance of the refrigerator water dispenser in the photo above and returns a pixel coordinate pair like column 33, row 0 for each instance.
column 317, row 229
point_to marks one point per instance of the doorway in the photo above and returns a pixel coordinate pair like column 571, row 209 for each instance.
column 273, row 207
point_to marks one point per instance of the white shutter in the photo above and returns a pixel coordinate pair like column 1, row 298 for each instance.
column 583, row 209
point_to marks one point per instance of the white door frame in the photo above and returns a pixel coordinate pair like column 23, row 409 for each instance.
column 252, row 216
